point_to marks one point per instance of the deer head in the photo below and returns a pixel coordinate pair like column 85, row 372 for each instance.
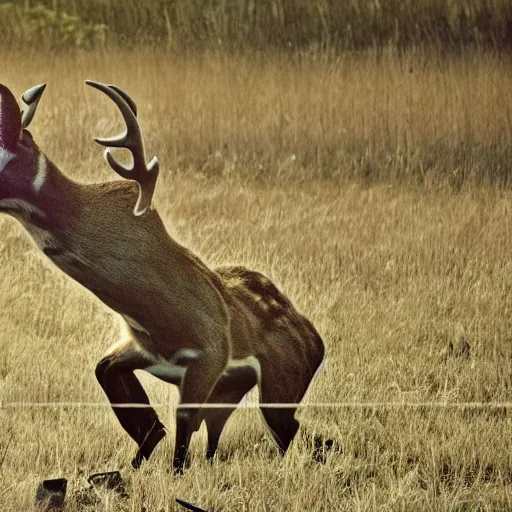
column 22, row 165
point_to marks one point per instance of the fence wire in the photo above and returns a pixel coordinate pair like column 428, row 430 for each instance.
column 257, row 405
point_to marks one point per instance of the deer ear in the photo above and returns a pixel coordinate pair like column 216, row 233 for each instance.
column 10, row 120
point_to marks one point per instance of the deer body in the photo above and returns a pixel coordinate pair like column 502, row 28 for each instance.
column 214, row 333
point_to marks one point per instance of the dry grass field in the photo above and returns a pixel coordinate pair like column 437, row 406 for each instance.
column 373, row 190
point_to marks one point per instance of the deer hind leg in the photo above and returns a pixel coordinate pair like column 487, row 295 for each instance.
column 238, row 379
column 278, row 386
column 115, row 375
column 282, row 425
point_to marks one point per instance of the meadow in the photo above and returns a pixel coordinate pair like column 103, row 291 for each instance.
column 373, row 188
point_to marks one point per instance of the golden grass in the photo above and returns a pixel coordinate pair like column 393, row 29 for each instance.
column 419, row 117
column 393, row 274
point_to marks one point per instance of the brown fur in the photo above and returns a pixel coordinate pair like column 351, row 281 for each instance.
column 135, row 268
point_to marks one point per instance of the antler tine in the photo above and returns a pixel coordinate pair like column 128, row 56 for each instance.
column 125, row 97
column 131, row 139
column 30, row 99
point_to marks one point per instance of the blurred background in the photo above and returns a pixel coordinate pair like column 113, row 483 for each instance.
column 447, row 25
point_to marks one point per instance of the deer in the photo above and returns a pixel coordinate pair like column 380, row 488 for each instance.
column 213, row 333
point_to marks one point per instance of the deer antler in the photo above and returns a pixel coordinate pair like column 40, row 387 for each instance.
column 30, row 100
column 131, row 139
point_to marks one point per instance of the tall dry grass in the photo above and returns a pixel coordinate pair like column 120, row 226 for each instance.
column 304, row 24
column 409, row 285
column 419, row 117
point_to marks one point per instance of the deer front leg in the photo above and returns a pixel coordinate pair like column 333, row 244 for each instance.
column 200, row 378
column 115, row 375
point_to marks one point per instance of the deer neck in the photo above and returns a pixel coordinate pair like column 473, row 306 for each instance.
column 49, row 208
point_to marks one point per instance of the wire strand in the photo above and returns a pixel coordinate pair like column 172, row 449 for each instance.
column 256, row 405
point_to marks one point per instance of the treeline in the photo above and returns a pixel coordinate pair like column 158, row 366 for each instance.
column 260, row 24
